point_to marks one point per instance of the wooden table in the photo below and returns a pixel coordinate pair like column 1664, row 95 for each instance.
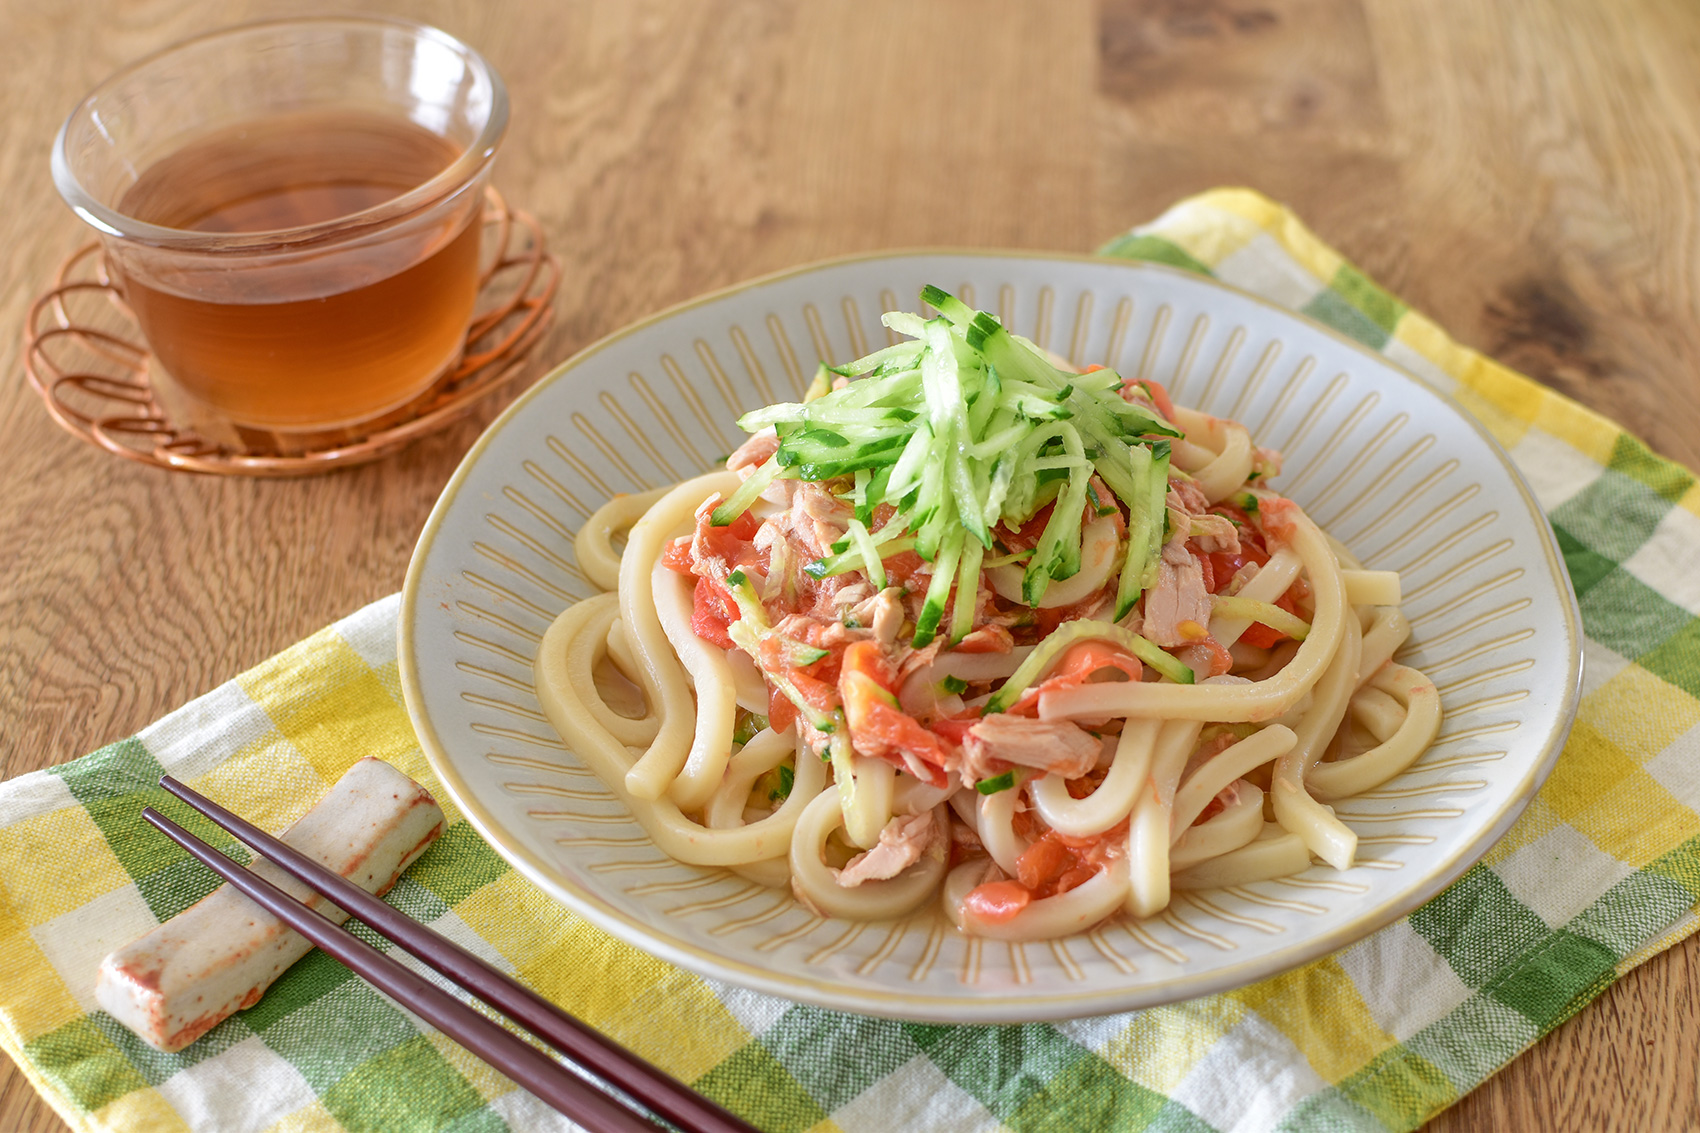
column 1526, row 171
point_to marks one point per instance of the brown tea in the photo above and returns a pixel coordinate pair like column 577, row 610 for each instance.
column 333, row 338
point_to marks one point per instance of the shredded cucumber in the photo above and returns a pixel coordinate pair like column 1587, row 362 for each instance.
column 968, row 430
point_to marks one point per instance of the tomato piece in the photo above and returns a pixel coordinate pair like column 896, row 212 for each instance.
column 1082, row 659
column 1160, row 396
column 955, row 729
column 1074, row 878
column 886, row 730
column 822, row 696
column 712, row 611
column 996, row 901
column 677, row 556
column 1261, row 636
column 901, row 567
column 867, row 658
column 780, row 711
column 1042, row 863
column 1027, row 536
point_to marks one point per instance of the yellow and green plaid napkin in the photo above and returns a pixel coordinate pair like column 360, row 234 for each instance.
column 1601, row 872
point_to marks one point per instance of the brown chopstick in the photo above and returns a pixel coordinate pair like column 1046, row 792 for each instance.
column 588, row 1050
column 662, row 1094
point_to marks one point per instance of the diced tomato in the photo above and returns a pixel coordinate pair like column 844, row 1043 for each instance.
column 677, row 556
column 1084, row 658
column 820, row 695
column 986, row 639
column 886, row 732
column 954, row 729
column 1052, row 864
column 1074, row 878
column 780, row 711
column 868, row 658
column 901, row 567
column 1042, row 863
column 996, row 901
column 1027, row 536
column 1160, row 396
column 732, row 542
column 712, row 611
column 1261, row 636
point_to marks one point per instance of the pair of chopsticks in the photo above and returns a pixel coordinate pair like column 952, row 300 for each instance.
column 630, row 1086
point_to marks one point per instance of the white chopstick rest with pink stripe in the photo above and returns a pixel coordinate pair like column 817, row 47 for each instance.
column 219, row 955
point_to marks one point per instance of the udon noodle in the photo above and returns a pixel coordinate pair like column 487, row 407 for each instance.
column 1058, row 750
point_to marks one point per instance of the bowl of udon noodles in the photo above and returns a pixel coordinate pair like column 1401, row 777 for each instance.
column 967, row 636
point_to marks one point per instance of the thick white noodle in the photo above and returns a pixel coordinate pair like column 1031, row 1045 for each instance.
column 663, row 678
column 997, row 831
column 1385, row 633
column 1374, row 767
column 593, row 546
column 1213, row 777
column 1226, row 452
column 1325, row 835
column 716, row 688
column 1275, row 853
column 562, row 692
column 632, row 731
column 1046, row 918
column 1148, row 831
column 1371, row 587
column 865, row 789
column 816, row 885
column 1114, row 798
column 752, row 690
column 766, row 750
column 1234, row 826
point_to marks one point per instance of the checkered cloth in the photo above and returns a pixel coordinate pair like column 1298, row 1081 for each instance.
column 1602, row 872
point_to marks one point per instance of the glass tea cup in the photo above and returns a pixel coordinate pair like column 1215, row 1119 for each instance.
column 292, row 210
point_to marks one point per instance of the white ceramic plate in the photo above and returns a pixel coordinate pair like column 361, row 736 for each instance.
column 1383, row 461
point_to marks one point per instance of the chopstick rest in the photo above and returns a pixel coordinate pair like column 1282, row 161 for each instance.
column 217, row 957
column 525, row 1064
column 583, row 1045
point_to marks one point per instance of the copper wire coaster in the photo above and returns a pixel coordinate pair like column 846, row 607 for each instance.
column 84, row 355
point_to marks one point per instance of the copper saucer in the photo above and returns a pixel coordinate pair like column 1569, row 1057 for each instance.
column 84, row 355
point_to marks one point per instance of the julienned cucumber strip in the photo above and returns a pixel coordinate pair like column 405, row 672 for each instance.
column 1145, row 530
column 728, row 512
column 938, row 591
column 965, row 428
column 1071, row 633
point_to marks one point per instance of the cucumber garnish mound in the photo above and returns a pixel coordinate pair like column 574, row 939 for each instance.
column 962, row 429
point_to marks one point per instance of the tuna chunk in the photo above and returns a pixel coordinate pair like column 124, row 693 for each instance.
column 1058, row 746
column 1177, row 608
column 904, row 841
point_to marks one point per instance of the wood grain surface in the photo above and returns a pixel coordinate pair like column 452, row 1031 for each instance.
column 1526, row 171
